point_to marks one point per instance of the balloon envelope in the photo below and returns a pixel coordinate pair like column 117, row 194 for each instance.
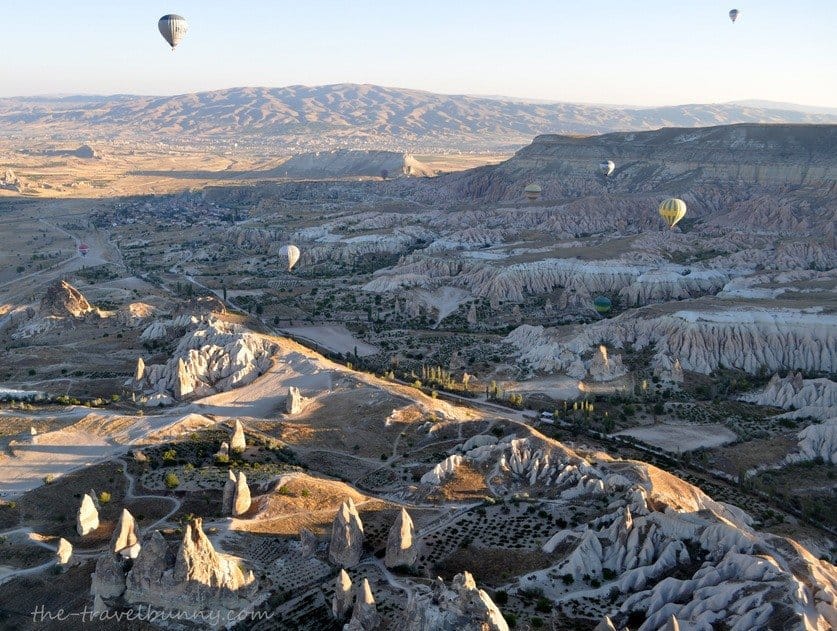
column 733, row 14
column 672, row 210
column 602, row 304
column 290, row 252
column 532, row 192
column 173, row 28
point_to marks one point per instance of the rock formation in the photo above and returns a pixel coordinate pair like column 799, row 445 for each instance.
column 817, row 441
column 472, row 314
column 61, row 299
column 228, row 497
column 346, row 544
column 365, row 615
column 605, row 625
column 816, row 398
column 461, row 607
column 95, row 497
column 183, row 383
column 293, row 404
column 241, row 498
column 401, row 545
column 125, row 540
column 108, row 579
column 341, row 602
column 87, row 518
column 211, row 356
column 237, row 440
column 442, row 470
column 308, row 543
column 99, row 606
column 750, row 340
column 64, row 551
column 139, row 371
column 196, row 578
column 223, row 450
column 33, row 436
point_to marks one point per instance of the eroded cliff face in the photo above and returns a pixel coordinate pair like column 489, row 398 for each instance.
column 702, row 341
column 670, row 159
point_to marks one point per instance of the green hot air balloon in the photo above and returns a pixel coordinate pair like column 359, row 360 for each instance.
column 602, row 304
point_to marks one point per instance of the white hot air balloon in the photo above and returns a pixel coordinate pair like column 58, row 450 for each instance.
column 173, row 28
column 290, row 252
column 606, row 167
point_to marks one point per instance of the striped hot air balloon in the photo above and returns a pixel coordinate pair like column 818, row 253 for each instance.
column 733, row 15
column 532, row 192
column 173, row 28
column 673, row 210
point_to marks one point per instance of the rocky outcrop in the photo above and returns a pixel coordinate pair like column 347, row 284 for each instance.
column 237, row 441
column 816, row 398
column 62, row 300
column 341, row 602
column 64, row 551
column 605, row 366
column 401, row 545
column 108, row 579
column 293, row 404
column 241, row 498
column 139, row 371
column 817, row 442
column 460, row 607
column 751, row 340
column 442, row 470
column 125, row 540
column 87, row 517
column 228, row 496
column 195, row 578
column 223, row 451
column 214, row 357
column 365, row 615
column 605, row 625
column 308, row 543
column 346, row 544
column 149, row 568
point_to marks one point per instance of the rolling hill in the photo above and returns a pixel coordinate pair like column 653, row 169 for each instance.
column 356, row 116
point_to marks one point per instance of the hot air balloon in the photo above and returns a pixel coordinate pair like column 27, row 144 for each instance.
column 606, row 167
column 532, row 192
column 733, row 15
column 290, row 252
column 83, row 249
column 602, row 304
column 673, row 210
column 173, row 28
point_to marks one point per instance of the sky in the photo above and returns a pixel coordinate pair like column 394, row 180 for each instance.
column 631, row 52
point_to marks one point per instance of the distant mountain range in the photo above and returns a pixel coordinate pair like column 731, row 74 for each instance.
column 299, row 118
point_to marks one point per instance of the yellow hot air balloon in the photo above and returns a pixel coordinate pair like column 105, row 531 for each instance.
column 532, row 192
column 673, row 210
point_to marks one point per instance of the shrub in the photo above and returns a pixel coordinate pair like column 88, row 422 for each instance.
column 169, row 455
column 104, row 497
column 171, row 480
column 501, row 597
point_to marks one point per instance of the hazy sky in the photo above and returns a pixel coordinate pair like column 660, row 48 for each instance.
column 630, row 51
